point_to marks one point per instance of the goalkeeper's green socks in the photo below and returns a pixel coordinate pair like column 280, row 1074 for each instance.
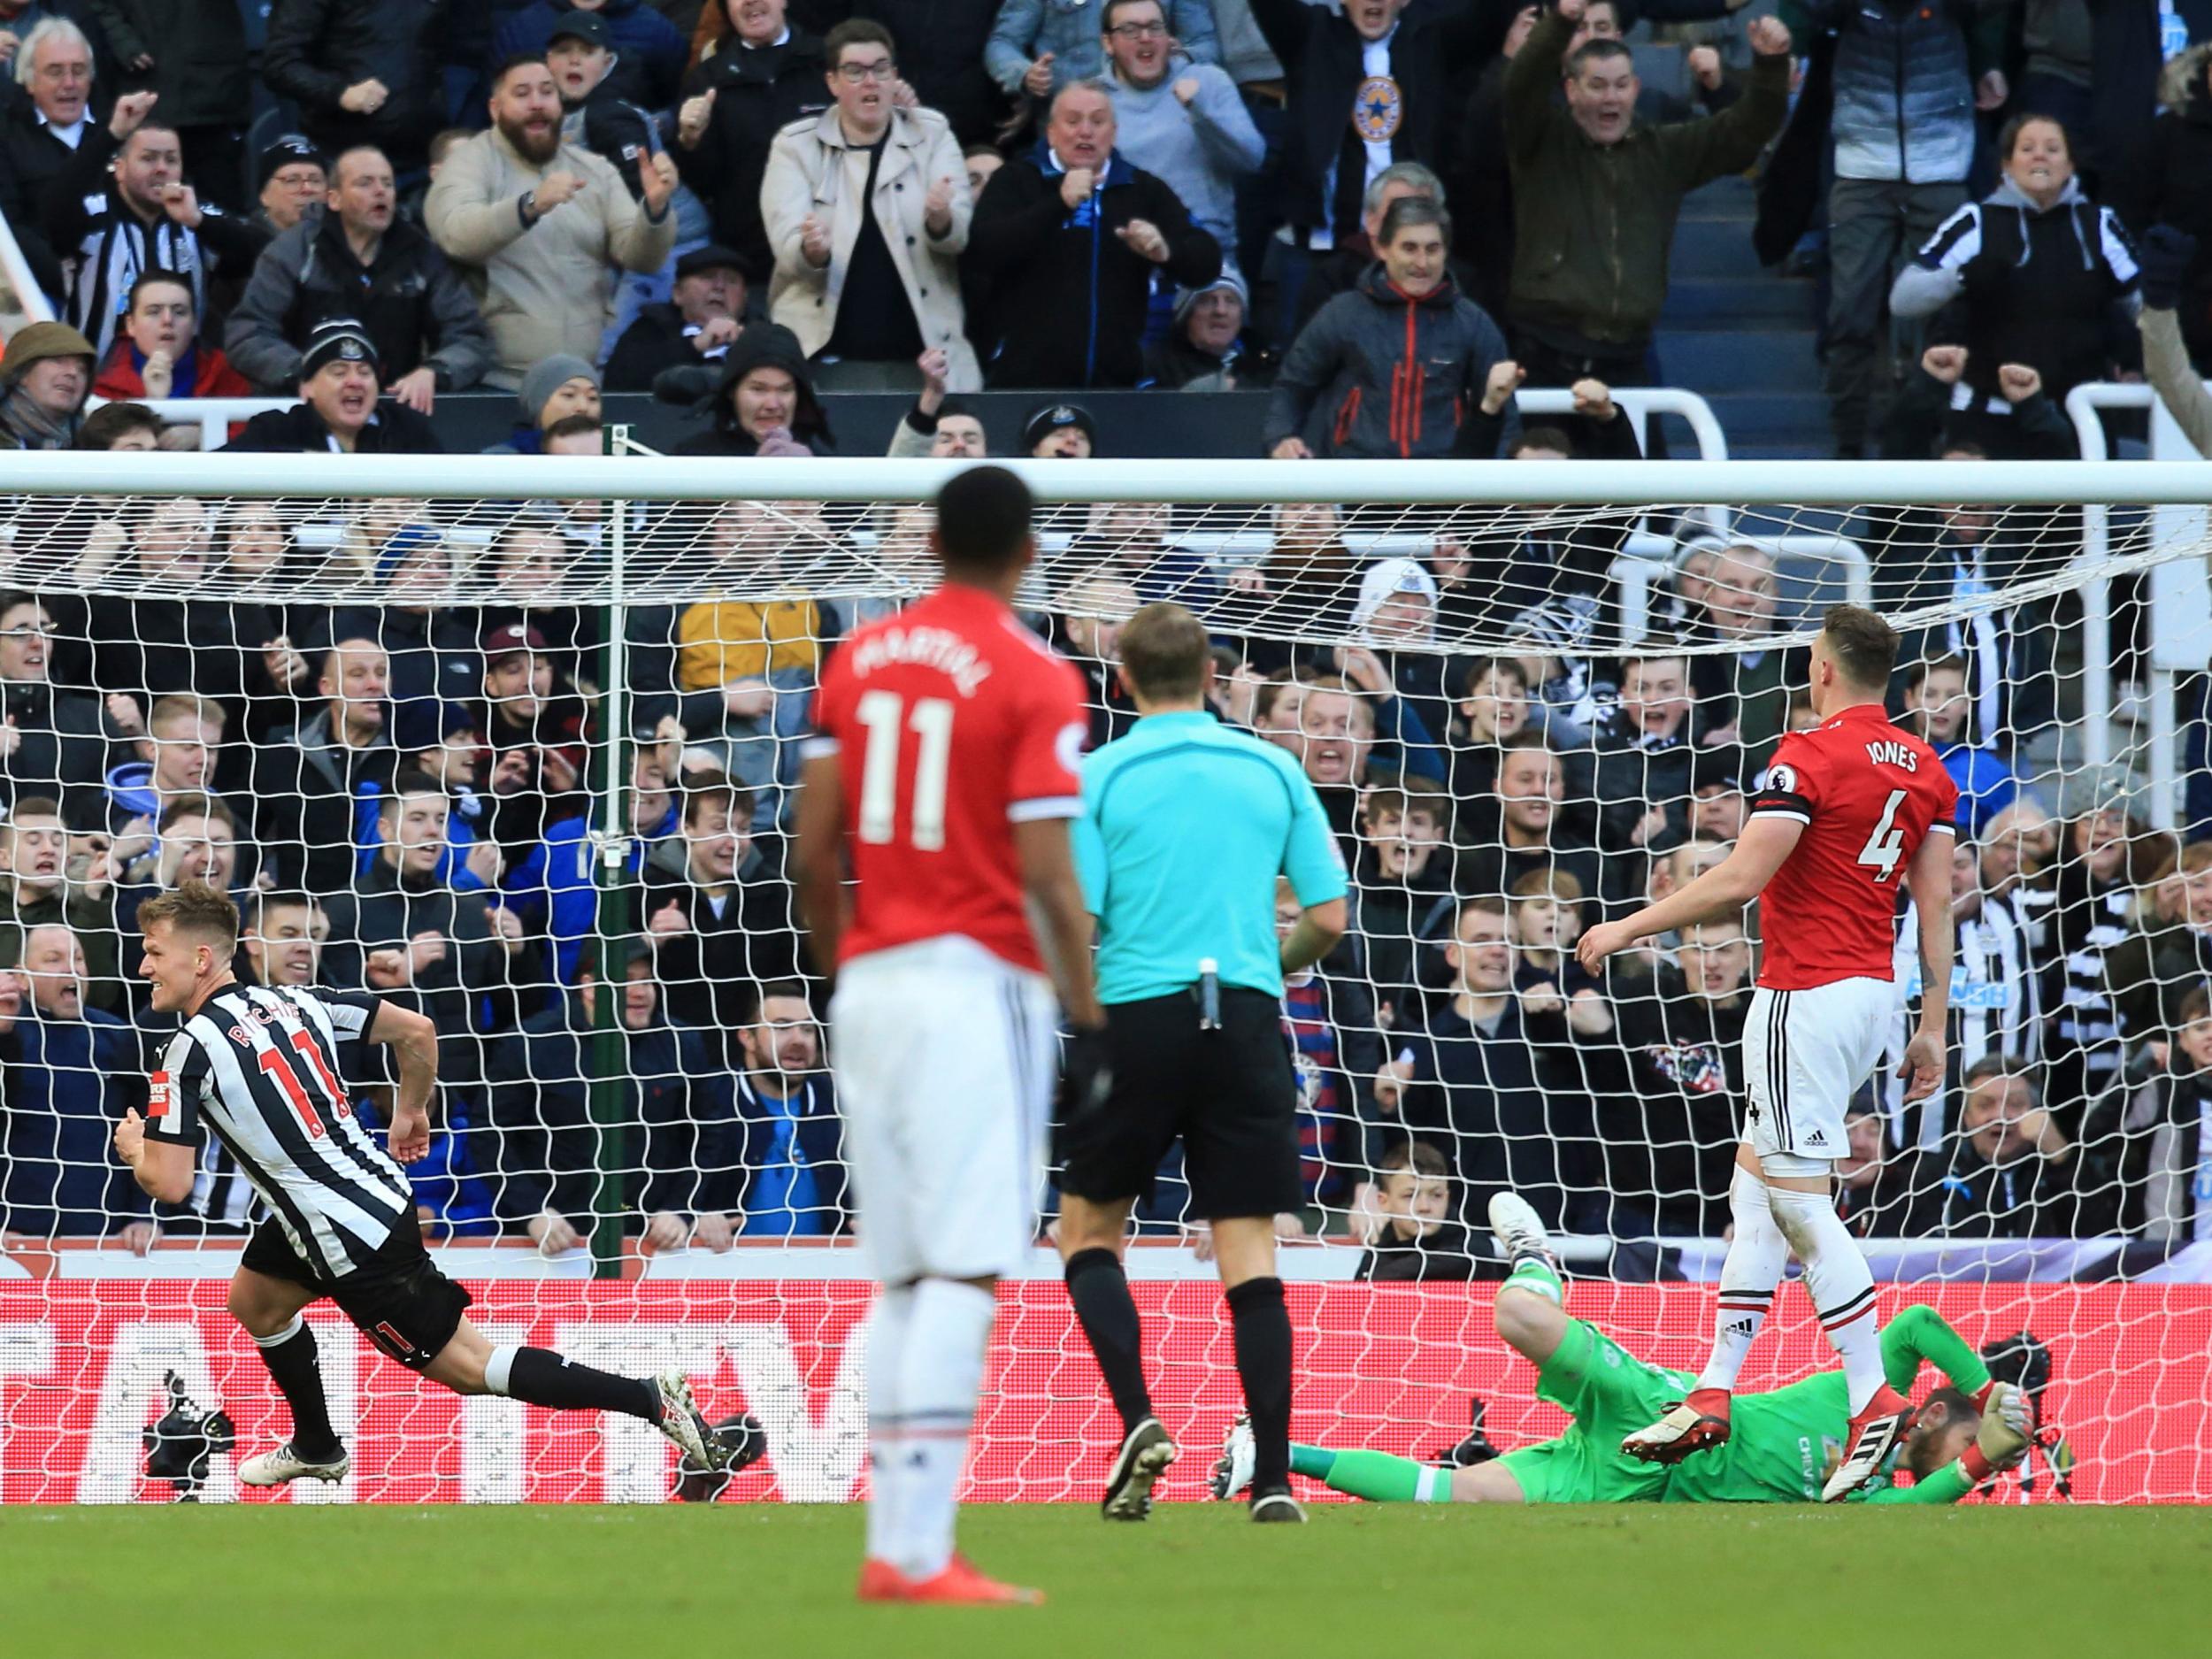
column 1538, row 1277
column 1375, row 1475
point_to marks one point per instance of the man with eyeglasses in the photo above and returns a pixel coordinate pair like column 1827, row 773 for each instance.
column 866, row 207
column 1180, row 119
column 52, row 742
column 1037, row 47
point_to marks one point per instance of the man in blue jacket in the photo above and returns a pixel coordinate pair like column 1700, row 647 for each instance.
column 1064, row 249
column 1402, row 365
column 68, row 1073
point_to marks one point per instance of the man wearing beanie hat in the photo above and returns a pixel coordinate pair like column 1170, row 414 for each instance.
column 1060, row 432
column 289, row 183
column 353, row 256
column 553, row 390
column 44, row 380
column 1203, row 350
column 339, row 412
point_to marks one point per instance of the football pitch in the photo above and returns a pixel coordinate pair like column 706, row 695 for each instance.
column 579, row 1581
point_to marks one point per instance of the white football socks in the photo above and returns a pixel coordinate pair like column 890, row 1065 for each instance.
column 1840, row 1284
column 887, row 1324
column 940, row 1375
column 1756, row 1258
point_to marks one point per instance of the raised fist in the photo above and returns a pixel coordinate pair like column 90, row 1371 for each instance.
column 1944, row 363
column 1504, row 380
column 1769, row 37
column 2018, row 382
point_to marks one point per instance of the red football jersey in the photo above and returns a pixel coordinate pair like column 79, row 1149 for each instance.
column 951, row 722
column 1868, row 795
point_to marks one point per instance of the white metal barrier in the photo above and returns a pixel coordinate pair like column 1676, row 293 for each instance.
column 1640, row 403
column 2168, row 446
column 213, row 416
column 30, row 299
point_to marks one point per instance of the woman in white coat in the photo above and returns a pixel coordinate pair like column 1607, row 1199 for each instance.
column 866, row 207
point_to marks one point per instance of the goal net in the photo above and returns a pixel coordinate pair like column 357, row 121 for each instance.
column 525, row 760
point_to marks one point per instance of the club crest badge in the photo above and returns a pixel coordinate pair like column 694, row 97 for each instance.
column 1378, row 109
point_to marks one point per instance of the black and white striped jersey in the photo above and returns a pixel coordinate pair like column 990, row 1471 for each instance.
column 258, row 1066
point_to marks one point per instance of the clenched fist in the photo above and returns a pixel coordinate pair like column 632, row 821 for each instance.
column 814, row 241
column 2018, row 382
column 1944, row 363
column 1504, row 380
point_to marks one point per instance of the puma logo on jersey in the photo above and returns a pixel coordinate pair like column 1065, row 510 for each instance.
column 1887, row 753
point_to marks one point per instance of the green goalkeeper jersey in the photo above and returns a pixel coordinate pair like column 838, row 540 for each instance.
column 1781, row 1444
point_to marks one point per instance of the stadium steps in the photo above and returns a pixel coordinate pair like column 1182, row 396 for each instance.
column 1741, row 336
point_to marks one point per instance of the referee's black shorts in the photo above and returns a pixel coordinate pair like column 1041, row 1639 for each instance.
column 398, row 1298
column 1229, row 1094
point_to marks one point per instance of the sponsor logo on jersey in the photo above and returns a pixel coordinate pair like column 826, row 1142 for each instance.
column 160, row 1095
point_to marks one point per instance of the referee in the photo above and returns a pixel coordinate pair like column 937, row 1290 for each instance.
column 1186, row 826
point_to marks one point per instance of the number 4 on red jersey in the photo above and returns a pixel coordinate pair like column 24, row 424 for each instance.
column 1867, row 794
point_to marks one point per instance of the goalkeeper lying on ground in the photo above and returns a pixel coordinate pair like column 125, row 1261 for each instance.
column 1785, row 1441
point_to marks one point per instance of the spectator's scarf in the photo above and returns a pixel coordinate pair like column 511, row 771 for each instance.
column 184, row 376
column 37, row 429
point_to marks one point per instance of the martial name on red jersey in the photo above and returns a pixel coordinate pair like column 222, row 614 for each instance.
column 951, row 723
column 1868, row 795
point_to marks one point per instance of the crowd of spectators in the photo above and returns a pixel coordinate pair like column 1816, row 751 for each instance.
column 1391, row 217
column 1190, row 194
column 400, row 793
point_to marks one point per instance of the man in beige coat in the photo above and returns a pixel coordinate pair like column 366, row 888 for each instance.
column 866, row 207
column 537, row 226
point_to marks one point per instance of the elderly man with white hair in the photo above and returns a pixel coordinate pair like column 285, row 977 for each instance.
column 41, row 131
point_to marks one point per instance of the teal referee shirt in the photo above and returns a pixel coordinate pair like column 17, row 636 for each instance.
column 1185, row 825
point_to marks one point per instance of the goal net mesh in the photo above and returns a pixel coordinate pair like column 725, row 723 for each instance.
column 489, row 756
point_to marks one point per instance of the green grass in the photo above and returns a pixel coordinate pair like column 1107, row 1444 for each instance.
column 583, row 1582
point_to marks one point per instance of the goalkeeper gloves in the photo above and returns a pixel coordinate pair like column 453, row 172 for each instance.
column 2003, row 1440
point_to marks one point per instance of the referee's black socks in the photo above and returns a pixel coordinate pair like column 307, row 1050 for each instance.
column 290, row 1356
column 1100, row 1291
column 539, row 1376
column 1262, row 1326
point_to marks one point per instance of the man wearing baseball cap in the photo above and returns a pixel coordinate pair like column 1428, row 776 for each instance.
column 340, row 410
column 695, row 325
